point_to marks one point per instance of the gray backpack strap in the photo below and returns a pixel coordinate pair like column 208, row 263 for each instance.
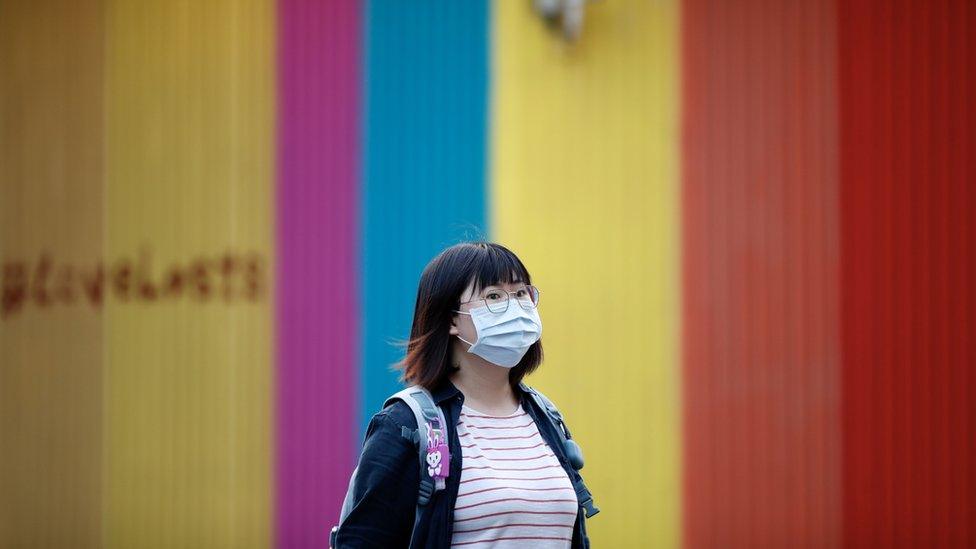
column 425, row 411
column 573, row 451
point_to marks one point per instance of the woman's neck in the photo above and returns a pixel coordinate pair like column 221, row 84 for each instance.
column 486, row 388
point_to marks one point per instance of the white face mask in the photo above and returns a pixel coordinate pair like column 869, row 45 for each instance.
column 503, row 339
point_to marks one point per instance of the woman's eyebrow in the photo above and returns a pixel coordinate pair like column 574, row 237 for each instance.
column 517, row 284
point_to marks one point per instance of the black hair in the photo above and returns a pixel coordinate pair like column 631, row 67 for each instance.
column 428, row 351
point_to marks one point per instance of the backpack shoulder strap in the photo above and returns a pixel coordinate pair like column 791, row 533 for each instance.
column 425, row 411
column 573, row 451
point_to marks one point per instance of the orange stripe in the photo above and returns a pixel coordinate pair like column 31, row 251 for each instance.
column 761, row 343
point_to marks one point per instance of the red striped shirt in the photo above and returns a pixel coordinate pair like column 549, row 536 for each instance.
column 513, row 492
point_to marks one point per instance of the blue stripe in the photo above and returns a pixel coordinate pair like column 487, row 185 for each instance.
column 424, row 131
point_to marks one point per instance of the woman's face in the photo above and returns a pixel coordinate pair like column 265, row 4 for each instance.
column 462, row 325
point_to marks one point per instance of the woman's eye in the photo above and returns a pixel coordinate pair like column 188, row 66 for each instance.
column 522, row 293
column 493, row 295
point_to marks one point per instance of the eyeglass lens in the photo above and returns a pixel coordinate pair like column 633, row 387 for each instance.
column 497, row 300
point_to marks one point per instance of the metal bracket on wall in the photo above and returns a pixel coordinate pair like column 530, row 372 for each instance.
column 567, row 15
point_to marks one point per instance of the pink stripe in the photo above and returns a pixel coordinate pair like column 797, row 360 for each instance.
column 463, row 494
column 515, row 513
column 514, row 537
column 316, row 335
column 480, row 503
column 511, row 478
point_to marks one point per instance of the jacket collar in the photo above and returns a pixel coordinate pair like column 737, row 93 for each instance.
column 447, row 390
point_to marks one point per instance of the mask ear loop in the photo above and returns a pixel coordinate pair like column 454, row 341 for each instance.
column 458, row 335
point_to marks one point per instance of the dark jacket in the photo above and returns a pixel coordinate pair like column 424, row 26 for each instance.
column 388, row 479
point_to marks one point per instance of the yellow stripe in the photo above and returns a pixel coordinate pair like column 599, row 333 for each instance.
column 585, row 171
column 188, row 384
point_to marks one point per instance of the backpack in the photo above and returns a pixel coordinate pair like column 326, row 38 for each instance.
column 427, row 412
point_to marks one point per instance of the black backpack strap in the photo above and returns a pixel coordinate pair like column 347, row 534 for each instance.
column 573, row 451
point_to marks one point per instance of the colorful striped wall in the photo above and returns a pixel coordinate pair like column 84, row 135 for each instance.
column 750, row 222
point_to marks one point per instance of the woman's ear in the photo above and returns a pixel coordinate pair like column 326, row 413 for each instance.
column 453, row 330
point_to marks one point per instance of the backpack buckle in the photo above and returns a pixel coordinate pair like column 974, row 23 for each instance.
column 426, row 490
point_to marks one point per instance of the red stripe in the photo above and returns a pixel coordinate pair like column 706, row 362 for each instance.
column 500, row 539
column 509, row 469
column 480, row 503
column 907, row 143
column 510, row 459
column 512, row 448
column 520, row 512
column 569, row 526
column 493, row 488
column 533, row 435
column 529, row 424
column 512, row 478
column 494, row 417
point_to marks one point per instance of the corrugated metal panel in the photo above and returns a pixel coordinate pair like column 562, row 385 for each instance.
column 423, row 189
column 189, row 100
column 318, row 276
column 585, row 190
column 908, row 139
column 51, row 211
column 761, row 264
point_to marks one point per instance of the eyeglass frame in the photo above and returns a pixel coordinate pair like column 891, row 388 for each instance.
column 535, row 304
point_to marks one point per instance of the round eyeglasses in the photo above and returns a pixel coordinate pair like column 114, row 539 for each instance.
column 497, row 300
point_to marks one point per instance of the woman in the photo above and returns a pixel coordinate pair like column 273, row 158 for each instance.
column 510, row 483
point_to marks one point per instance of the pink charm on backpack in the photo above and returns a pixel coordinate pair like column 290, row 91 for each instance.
column 438, row 457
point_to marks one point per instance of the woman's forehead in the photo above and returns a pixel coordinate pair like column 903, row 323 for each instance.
column 506, row 285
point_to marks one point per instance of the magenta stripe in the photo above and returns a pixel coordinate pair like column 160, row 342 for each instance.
column 318, row 152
